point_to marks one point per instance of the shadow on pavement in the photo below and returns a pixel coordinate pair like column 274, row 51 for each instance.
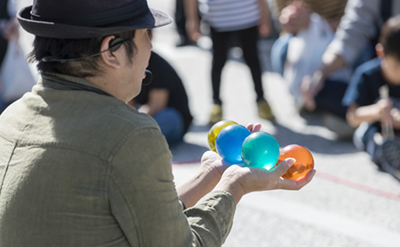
column 314, row 143
column 184, row 152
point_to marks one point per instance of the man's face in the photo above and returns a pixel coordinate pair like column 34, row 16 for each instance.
column 391, row 69
column 134, row 72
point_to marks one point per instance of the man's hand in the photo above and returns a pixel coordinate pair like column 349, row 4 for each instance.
column 209, row 174
column 239, row 180
column 211, row 161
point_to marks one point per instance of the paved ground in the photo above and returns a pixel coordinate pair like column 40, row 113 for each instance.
column 349, row 202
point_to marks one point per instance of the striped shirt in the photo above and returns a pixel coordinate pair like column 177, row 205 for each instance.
column 230, row 15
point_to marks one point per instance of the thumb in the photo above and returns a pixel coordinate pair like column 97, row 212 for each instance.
column 284, row 166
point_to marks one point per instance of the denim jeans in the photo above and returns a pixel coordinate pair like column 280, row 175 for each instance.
column 171, row 124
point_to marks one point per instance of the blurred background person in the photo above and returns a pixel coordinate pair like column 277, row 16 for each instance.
column 165, row 99
column 15, row 75
column 353, row 44
column 244, row 21
column 308, row 27
column 373, row 100
column 180, row 22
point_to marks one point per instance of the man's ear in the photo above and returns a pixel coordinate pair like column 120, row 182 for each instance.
column 379, row 50
column 109, row 58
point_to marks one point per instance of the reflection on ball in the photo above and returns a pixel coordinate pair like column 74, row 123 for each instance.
column 261, row 150
column 214, row 131
column 229, row 143
column 304, row 161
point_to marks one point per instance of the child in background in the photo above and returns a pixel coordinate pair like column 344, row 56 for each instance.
column 369, row 110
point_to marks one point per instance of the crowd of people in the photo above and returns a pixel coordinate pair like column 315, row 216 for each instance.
column 341, row 58
column 321, row 49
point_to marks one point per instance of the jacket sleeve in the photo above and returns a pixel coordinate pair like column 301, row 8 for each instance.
column 358, row 26
column 145, row 203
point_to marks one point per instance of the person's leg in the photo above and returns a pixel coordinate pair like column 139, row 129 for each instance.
column 248, row 39
column 249, row 42
column 279, row 52
column 171, row 124
column 220, row 41
column 371, row 145
column 3, row 49
column 390, row 156
column 180, row 22
column 329, row 99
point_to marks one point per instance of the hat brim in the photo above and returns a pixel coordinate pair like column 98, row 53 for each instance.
column 152, row 19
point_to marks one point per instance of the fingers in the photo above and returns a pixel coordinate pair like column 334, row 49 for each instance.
column 288, row 184
column 282, row 167
column 210, row 155
column 254, row 127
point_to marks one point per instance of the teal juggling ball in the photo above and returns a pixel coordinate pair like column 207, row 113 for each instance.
column 261, row 150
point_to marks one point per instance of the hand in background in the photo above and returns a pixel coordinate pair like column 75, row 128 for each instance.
column 192, row 20
column 265, row 25
column 193, row 30
column 384, row 106
column 395, row 116
column 295, row 17
column 10, row 30
column 310, row 87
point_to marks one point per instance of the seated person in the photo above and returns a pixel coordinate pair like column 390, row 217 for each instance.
column 310, row 27
column 369, row 109
column 165, row 100
column 298, row 53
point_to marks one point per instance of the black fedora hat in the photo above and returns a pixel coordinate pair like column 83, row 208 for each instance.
column 81, row 19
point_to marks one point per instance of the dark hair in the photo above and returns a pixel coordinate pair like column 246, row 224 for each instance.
column 75, row 48
column 390, row 37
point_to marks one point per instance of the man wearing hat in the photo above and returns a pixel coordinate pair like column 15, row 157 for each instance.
column 81, row 167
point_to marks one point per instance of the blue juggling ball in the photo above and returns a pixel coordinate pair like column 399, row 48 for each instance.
column 229, row 143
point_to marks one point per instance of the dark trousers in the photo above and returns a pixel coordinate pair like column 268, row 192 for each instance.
column 329, row 99
column 180, row 19
column 3, row 49
column 222, row 41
